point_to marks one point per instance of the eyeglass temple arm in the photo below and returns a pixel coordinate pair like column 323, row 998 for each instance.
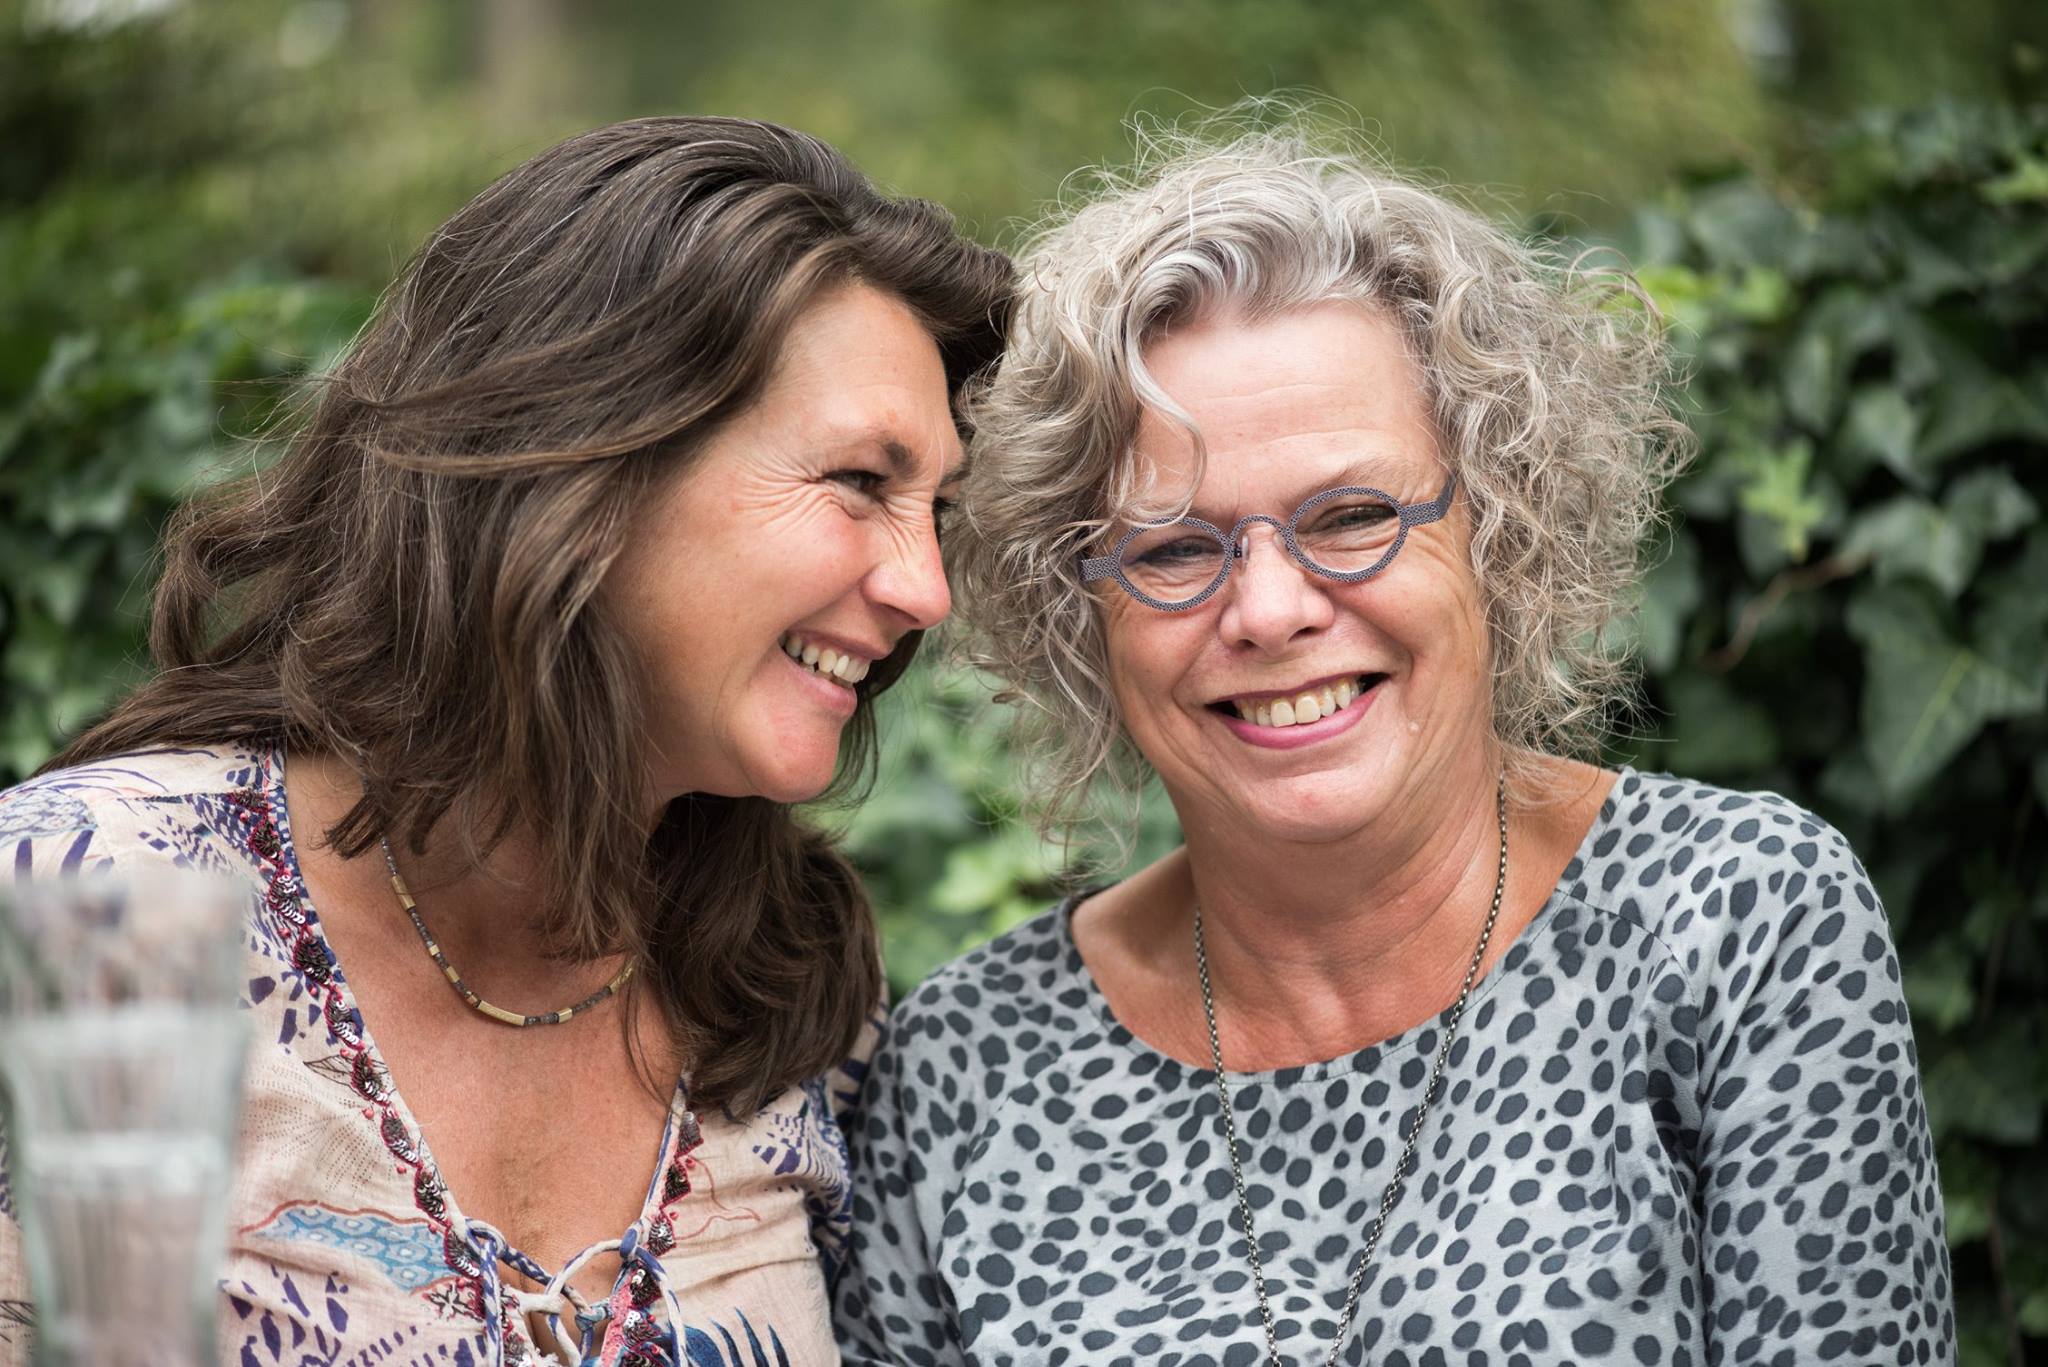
column 1097, row 567
column 1416, row 514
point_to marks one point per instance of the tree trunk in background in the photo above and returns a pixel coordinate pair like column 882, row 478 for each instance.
column 525, row 57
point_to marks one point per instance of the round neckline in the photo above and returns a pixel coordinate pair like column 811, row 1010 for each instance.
column 1351, row 1060
column 678, row 1110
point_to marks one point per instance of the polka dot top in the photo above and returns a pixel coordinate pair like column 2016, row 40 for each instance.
column 1682, row 1124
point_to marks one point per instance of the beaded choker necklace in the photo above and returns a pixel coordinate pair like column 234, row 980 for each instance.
column 476, row 1003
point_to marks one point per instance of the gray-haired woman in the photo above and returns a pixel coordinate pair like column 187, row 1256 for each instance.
column 1314, row 493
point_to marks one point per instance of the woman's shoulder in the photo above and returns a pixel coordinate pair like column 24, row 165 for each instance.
column 144, row 800
column 1658, row 832
column 1734, row 885
column 966, row 1043
column 1021, row 977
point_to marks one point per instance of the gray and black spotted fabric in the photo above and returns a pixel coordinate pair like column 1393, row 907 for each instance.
column 1683, row 1124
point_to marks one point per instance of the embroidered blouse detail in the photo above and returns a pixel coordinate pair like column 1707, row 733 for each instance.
column 348, row 1245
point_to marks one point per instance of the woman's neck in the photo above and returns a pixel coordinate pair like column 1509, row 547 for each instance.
column 485, row 912
column 1357, row 937
column 1317, row 950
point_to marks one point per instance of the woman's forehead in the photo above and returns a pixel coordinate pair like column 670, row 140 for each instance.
column 1307, row 360
column 1308, row 399
column 1275, row 477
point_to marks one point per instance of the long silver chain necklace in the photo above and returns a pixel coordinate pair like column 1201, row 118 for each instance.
column 1392, row 1194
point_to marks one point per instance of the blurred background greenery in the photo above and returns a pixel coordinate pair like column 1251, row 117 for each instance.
column 1843, row 205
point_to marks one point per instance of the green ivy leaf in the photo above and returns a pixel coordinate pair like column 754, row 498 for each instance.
column 1845, row 323
column 1992, row 504
column 2026, row 183
column 1931, row 270
column 99, row 505
column 980, row 875
column 1909, row 536
column 1926, row 695
column 2009, row 604
column 2013, row 256
column 1671, row 592
column 1739, row 224
column 62, row 582
column 1989, row 1088
column 1882, row 424
column 1941, row 990
column 1849, row 784
column 1918, row 360
column 1777, row 491
column 67, row 358
column 1760, row 295
column 1684, row 296
column 1812, row 388
column 1969, row 1189
column 1715, row 731
column 1973, row 410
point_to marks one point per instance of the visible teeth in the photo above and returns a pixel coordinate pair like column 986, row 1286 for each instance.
column 1310, row 706
column 847, row 669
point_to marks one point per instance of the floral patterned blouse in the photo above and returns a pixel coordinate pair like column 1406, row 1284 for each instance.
column 345, row 1245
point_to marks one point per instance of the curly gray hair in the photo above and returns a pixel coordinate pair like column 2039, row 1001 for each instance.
column 1546, row 377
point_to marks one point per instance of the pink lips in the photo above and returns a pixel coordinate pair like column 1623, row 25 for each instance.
column 1294, row 737
column 832, row 696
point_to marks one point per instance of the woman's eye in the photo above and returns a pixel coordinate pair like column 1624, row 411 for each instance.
column 1351, row 517
column 867, row 482
column 1179, row 552
column 1362, row 517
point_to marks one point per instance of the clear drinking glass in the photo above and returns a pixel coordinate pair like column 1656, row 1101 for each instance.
column 121, row 1052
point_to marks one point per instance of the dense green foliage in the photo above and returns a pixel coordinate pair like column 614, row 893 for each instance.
column 1854, row 607
column 1851, row 606
column 133, row 307
column 83, row 513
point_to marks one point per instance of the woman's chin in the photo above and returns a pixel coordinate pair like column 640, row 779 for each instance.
column 796, row 787
column 1309, row 811
column 1298, row 829
column 789, row 776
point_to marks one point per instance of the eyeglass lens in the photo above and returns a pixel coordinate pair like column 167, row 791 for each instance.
column 1343, row 534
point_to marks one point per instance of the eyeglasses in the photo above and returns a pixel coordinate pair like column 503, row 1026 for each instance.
column 1348, row 534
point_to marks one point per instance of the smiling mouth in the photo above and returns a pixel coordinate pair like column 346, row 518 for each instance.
column 825, row 662
column 1299, row 709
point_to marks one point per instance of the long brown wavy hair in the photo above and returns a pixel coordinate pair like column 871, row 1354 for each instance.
column 412, row 585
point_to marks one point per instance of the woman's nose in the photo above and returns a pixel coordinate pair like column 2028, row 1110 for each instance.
column 911, row 579
column 1272, row 597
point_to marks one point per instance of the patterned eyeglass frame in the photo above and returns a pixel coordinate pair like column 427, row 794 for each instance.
column 1111, row 566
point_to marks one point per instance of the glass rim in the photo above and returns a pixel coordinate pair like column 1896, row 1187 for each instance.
column 1408, row 515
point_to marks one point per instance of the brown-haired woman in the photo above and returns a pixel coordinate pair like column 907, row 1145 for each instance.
column 587, row 560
